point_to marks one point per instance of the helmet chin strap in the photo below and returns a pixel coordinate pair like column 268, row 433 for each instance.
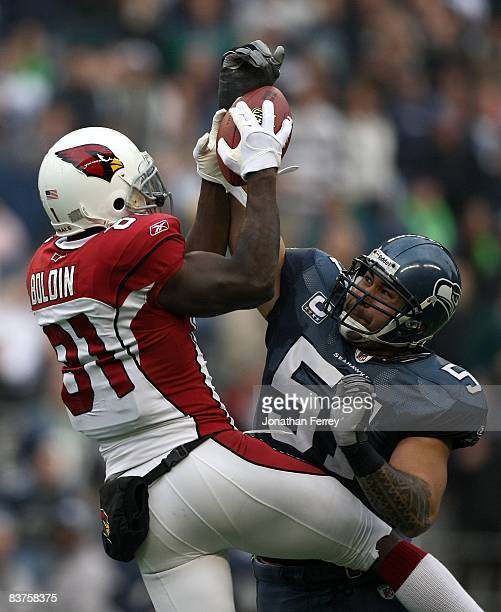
column 359, row 334
column 96, row 221
column 356, row 332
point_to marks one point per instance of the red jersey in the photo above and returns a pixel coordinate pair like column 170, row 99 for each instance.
column 134, row 377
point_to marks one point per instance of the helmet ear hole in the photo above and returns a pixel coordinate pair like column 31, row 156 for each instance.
column 119, row 204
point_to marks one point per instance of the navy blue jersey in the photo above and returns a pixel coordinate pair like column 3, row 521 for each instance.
column 423, row 395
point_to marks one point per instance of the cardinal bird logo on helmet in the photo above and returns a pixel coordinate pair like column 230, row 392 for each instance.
column 106, row 524
column 93, row 160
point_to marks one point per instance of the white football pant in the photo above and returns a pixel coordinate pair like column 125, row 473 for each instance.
column 222, row 496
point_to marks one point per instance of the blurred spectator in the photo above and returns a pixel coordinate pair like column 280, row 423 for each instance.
column 13, row 242
column 200, row 22
column 22, row 347
column 318, row 147
column 414, row 108
column 427, row 212
column 474, row 471
column 13, row 573
column 371, row 147
column 26, row 71
column 481, row 241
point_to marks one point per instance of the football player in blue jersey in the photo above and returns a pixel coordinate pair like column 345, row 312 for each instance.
column 326, row 325
column 363, row 330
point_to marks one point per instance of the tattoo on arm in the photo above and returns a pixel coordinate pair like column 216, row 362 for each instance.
column 401, row 499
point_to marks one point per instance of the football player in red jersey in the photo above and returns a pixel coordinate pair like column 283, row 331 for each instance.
column 113, row 292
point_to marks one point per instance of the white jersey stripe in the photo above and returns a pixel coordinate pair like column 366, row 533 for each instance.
column 207, row 377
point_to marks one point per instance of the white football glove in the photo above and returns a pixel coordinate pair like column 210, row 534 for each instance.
column 259, row 147
column 353, row 425
column 205, row 157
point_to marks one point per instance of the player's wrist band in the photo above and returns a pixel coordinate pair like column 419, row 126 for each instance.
column 363, row 458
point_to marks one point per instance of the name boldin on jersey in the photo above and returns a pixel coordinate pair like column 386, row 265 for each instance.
column 56, row 285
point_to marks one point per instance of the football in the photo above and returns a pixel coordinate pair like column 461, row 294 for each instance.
column 254, row 99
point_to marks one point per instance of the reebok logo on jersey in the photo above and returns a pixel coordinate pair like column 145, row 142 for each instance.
column 314, row 307
column 158, row 227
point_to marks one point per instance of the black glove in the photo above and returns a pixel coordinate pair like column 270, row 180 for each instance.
column 246, row 68
column 353, row 425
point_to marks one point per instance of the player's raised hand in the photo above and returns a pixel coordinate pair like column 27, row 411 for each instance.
column 355, row 419
column 204, row 152
column 259, row 147
column 246, row 68
column 205, row 157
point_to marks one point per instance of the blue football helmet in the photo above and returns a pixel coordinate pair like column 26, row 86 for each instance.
column 421, row 271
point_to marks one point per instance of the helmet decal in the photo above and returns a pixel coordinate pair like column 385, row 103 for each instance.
column 447, row 294
column 390, row 266
column 106, row 524
column 93, row 160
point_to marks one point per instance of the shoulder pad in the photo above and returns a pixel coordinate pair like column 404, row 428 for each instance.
column 130, row 239
column 433, row 397
column 318, row 269
column 142, row 250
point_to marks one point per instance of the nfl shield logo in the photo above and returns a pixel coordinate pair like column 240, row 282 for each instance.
column 385, row 591
column 361, row 357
